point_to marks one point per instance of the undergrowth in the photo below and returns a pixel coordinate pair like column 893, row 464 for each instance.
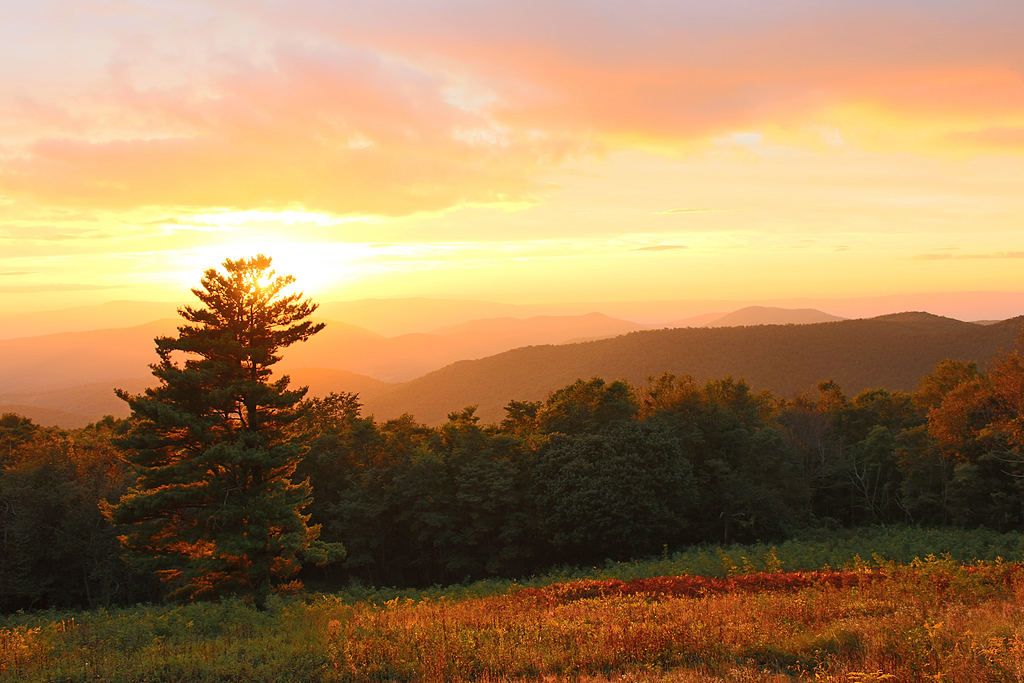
column 833, row 608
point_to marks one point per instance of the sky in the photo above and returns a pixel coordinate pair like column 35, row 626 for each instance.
column 522, row 152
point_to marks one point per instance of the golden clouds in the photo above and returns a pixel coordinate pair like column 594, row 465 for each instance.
column 566, row 149
column 345, row 133
column 353, row 111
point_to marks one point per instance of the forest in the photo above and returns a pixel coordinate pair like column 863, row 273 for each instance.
column 598, row 471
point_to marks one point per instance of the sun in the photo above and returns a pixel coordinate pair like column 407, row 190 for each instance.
column 318, row 267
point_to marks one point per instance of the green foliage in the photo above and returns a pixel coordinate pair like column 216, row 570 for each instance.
column 15, row 431
column 809, row 551
column 215, row 509
column 437, row 506
column 583, row 407
column 622, row 493
column 56, row 549
column 931, row 615
column 597, row 474
column 747, row 487
column 225, row 641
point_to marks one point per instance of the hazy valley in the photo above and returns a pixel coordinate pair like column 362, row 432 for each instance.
column 478, row 357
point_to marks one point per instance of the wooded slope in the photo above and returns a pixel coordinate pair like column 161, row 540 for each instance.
column 889, row 352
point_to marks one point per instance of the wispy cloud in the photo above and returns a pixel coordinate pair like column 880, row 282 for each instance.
column 55, row 287
column 347, row 109
column 51, row 234
column 948, row 256
column 663, row 247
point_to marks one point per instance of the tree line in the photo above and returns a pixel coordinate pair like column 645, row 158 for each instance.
column 226, row 481
column 600, row 470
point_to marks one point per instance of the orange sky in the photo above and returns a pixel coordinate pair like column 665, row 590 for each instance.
column 519, row 151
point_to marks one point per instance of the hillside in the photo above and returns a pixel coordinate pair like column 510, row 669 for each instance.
column 83, row 318
column 77, row 406
column 891, row 352
column 322, row 381
column 47, row 417
column 772, row 315
column 68, row 359
column 76, row 372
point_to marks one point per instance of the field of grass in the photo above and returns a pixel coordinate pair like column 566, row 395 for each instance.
column 934, row 619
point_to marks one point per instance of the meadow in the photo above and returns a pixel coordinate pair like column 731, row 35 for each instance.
column 753, row 614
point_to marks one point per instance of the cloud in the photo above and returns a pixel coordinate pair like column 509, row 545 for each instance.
column 996, row 140
column 279, row 136
column 50, row 234
column 54, row 287
column 670, row 211
column 663, row 247
column 947, row 256
column 392, row 108
column 17, row 272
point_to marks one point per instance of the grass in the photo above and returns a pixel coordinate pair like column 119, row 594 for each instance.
column 940, row 618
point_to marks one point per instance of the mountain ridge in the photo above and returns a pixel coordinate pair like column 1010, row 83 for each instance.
column 772, row 315
column 785, row 359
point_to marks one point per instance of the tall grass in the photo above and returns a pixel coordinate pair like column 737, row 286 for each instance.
column 823, row 549
column 931, row 619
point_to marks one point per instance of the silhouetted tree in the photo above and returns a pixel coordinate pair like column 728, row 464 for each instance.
column 215, row 509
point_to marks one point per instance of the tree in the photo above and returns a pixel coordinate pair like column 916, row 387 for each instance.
column 56, row 550
column 15, row 431
column 215, row 509
column 623, row 493
column 585, row 407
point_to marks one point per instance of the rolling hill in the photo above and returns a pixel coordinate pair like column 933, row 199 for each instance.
column 75, row 373
column 890, row 352
column 112, row 314
column 48, row 417
column 77, row 406
column 69, row 359
column 772, row 315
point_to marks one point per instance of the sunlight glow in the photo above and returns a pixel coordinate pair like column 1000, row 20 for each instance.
column 317, row 267
column 239, row 218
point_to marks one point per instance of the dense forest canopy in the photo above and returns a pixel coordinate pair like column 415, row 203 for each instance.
column 597, row 470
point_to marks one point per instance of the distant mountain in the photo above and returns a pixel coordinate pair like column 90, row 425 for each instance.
column 93, row 400
column 322, row 381
column 113, row 314
column 757, row 315
column 77, row 406
column 892, row 352
column 399, row 316
column 392, row 317
column 76, row 371
column 697, row 320
column 771, row 315
column 71, row 359
column 47, row 417
column 401, row 358
column 75, row 358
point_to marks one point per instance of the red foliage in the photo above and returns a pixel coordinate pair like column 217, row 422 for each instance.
column 697, row 586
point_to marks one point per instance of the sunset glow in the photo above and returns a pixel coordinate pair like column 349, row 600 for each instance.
column 513, row 152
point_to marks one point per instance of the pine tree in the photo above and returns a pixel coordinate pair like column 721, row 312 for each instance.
column 215, row 509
